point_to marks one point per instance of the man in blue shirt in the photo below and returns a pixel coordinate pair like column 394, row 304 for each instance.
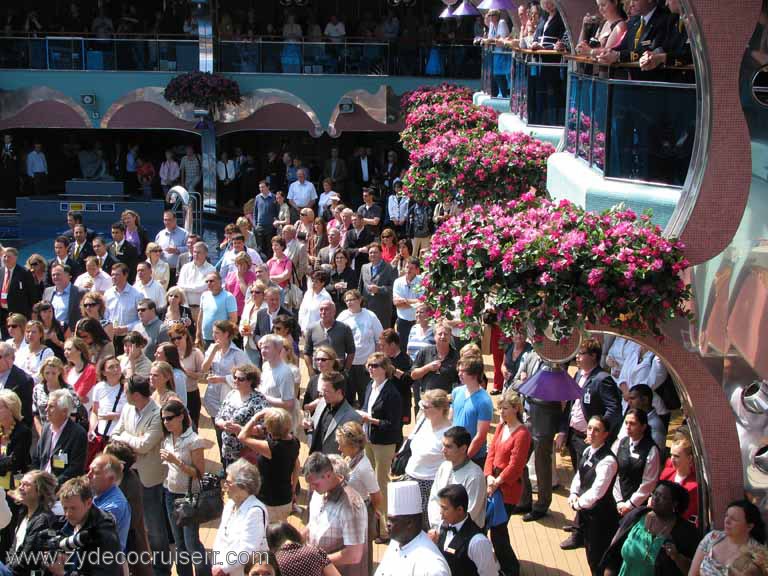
column 264, row 214
column 215, row 304
column 104, row 476
column 64, row 296
column 473, row 407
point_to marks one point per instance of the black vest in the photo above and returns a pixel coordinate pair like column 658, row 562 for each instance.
column 587, row 477
column 631, row 468
column 458, row 560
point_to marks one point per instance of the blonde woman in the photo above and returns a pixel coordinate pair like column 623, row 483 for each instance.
column 38, row 266
column 17, row 326
column 162, row 382
column 161, row 272
column 178, row 312
column 15, row 438
column 269, row 435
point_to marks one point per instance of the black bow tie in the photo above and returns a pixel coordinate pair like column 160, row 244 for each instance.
column 447, row 528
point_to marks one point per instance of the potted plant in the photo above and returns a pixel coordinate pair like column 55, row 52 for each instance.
column 204, row 90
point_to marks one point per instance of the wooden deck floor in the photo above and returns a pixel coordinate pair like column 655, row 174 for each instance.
column 535, row 543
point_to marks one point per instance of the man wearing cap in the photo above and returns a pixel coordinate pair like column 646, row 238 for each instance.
column 410, row 552
column 338, row 518
column 463, row 544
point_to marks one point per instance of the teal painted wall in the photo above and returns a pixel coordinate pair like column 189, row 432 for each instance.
column 322, row 93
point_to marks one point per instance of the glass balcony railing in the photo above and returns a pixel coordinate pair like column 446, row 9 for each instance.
column 355, row 58
column 81, row 53
column 632, row 129
column 534, row 81
column 255, row 57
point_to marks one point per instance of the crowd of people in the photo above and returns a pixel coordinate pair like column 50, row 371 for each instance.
column 108, row 343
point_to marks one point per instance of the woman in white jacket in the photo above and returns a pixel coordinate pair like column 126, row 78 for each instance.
column 242, row 533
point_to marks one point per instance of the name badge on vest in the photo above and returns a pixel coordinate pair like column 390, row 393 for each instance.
column 587, row 397
column 450, row 550
column 634, row 455
column 589, row 463
column 645, row 43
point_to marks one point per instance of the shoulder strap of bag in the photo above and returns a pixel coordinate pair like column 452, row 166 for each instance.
column 416, row 431
column 114, row 407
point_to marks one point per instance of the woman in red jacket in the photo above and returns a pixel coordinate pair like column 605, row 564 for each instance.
column 507, row 457
column 680, row 470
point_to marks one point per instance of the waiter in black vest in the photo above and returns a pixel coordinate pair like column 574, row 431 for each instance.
column 592, row 492
column 464, row 546
column 639, row 463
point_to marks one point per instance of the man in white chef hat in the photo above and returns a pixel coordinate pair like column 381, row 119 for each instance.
column 410, row 552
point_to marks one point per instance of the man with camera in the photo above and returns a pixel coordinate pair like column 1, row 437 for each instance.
column 89, row 542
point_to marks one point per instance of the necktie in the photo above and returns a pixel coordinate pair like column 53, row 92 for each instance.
column 101, row 262
column 639, row 33
column 6, row 283
column 77, row 251
column 680, row 25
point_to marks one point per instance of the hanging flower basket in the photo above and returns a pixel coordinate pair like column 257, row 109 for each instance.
column 203, row 90
column 554, row 266
column 440, row 94
column 431, row 120
column 474, row 168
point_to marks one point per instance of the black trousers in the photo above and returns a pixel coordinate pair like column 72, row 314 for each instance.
column 510, row 565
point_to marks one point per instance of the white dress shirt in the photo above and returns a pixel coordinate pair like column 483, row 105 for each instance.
column 366, row 329
column 604, row 473
column 650, row 371
column 121, row 306
column 192, row 281
column 228, row 261
column 225, row 171
column 153, row 291
column 480, row 551
column 309, row 311
column 420, row 557
column 101, row 283
column 302, row 194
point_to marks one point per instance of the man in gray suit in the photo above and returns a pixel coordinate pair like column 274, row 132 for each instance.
column 64, row 296
column 376, row 280
column 332, row 411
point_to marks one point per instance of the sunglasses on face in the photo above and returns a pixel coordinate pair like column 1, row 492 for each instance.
column 86, row 304
column 177, row 338
column 240, row 379
column 169, row 418
column 373, row 366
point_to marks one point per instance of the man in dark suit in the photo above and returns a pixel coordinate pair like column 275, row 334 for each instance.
column 123, row 251
column 63, row 444
column 332, row 411
column 356, row 241
column 601, row 397
column 335, row 168
column 551, row 28
column 106, row 261
column 64, row 296
column 362, row 173
column 266, row 316
column 646, row 28
column 326, row 254
column 390, row 170
column 61, row 250
column 376, row 280
column 81, row 248
column 73, row 219
column 19, row 289
column 15, row 379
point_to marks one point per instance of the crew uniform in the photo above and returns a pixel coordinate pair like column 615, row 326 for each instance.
column 596, row 508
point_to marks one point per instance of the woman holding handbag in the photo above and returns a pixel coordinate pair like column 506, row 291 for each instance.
column 108, row 402
column 426, row 444
column 182, row 453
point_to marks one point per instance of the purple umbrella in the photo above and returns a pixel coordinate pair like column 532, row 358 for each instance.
column 496, row 5
column 466, row 8
column 551, row 384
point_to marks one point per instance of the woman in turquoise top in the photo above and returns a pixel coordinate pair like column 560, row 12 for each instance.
column 654, row 541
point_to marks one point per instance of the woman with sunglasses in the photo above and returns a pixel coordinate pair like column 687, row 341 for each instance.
column 51, row 378
column 161, row 272
column 325, row 361
column 17, row 326
column 93, row 334
column 191, row 360
column 177, row 311
column 381, row 415
column 388, row 245
column 108, row 399
column 80, row 373
column 248, row 321
column 38, row 266
column 32, row 356
column 167, row 352
column 93, row 306
column 305, row 229
column 342, row 279
column 239, row 406
column 182, row 453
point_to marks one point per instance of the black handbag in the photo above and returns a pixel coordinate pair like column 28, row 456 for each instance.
column 400, row 461
column 200, row 507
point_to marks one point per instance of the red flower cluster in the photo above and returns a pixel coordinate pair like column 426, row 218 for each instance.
column 203, row 90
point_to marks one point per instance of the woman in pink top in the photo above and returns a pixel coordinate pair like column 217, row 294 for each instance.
column 239, row 279
column 280, row 266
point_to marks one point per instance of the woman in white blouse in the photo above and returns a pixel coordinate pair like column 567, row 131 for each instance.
column 108, row 398
column 161, row 272
column 243, row 528
column 31, row 358
column 427, row 443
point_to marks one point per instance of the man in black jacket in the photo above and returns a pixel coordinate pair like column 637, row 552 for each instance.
column 123, row 251
column 63, row 444
column 646, row 28
column 63, row 257
column 16, row 380
column 93, row 530
column 463, row 544
column 19, row 290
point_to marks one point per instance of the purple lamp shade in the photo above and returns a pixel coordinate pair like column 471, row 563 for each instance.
column 466, row 8
column 447, row 13
column 496, row 5
column 551, row 384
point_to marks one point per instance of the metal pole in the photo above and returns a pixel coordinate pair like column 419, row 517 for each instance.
column 208, row 130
